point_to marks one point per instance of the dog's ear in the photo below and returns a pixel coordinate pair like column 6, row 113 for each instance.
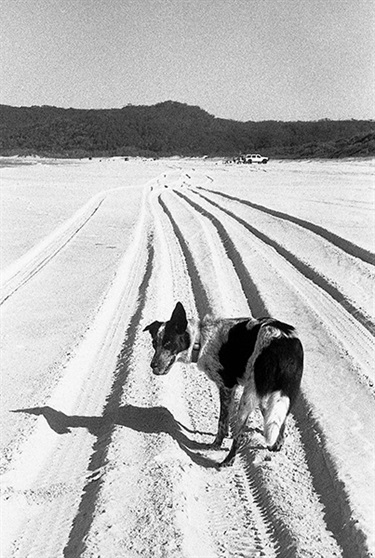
column 153, row 328
column 178, row 319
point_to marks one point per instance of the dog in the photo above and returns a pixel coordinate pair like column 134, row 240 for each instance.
column 263, row 355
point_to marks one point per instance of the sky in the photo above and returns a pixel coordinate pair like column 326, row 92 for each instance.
column 236, row 59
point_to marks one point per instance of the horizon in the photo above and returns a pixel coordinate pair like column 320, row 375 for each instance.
column 296, row 60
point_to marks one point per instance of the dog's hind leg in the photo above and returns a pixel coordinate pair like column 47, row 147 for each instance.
column 276, row 408
column 247, row 405
column 223, row 428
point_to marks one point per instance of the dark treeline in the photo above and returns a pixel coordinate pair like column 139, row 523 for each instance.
column 173, row 128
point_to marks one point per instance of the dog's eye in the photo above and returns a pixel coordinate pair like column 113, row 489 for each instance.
column 167, row 345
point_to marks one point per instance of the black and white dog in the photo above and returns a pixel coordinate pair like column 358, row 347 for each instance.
column 263, row 355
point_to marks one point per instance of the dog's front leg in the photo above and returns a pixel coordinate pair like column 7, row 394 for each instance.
column 223, row 428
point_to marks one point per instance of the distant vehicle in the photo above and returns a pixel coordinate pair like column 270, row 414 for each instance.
column 255, row 158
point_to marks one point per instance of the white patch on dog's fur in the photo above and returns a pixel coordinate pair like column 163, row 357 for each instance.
column 195, row 337
column 161, row 331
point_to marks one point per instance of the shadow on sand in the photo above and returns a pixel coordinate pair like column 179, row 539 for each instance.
column 148, row 420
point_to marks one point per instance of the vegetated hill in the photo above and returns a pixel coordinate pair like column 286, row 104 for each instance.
column 172, row 128
column 360, row 145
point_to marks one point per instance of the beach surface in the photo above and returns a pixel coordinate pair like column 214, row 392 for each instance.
column 99, row 457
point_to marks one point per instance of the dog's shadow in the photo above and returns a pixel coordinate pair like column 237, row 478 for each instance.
column 148, row 420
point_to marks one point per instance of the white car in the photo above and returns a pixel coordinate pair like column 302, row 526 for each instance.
column 255, row 159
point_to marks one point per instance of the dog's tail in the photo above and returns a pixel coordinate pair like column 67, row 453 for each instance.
column 276, row 410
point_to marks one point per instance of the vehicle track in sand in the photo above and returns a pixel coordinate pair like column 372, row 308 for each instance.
column 346, row 319
column 21, row 271
column 329, row 491
column 307, row 270
column 42, row 486
column 338, row 241
column 32, row 262
column 185, row 517
column 235, row 521
column 76, row 450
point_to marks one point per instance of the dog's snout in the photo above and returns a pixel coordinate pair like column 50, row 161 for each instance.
column 156, row 370
column 161, row 362
column 155, row 366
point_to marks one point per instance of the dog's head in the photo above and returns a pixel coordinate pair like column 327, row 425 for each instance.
column 168, row 339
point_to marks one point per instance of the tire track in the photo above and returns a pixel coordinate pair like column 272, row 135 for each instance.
column 83, row 519
column 277, row 524
column 169, row 482
column 45, row 457
column 24, row 269
column 302, row 267
column 27, row 266
column 254, row 300
column 265, row 539
column 328, row 487
column 322, row 301
column 200, row 294
column 338, row 241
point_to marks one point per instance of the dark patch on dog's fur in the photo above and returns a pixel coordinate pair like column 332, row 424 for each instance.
column 175, row 343
column 176, row 338
column 235, row 353
column 279, row 367
column 178, row 322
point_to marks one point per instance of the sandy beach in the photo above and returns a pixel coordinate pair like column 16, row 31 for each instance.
column 99, row 457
